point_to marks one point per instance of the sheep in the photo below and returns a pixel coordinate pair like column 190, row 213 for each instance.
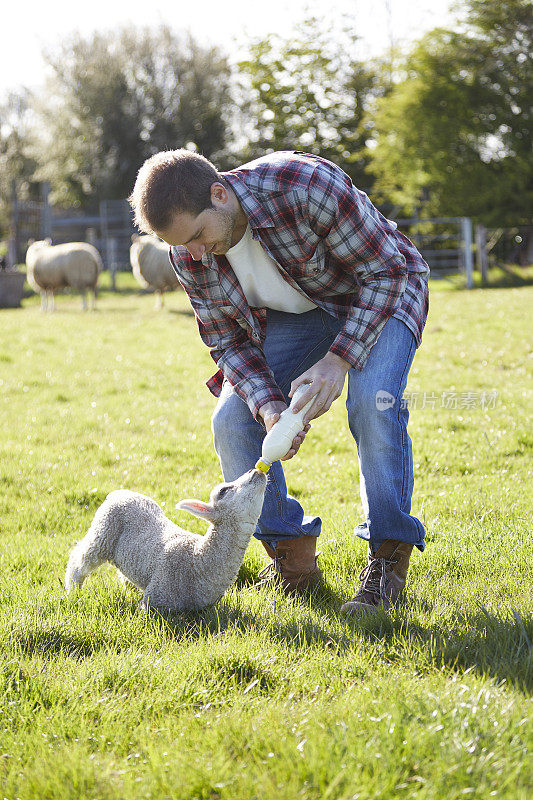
column 176, row 570
column 151, row 266
column 49, row 268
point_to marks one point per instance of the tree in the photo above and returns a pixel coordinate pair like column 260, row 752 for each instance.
column 16, row 166
column 116, row 98
column 458, row 126
column 309, row 92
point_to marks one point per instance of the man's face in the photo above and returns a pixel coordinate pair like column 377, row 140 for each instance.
column 212, row 231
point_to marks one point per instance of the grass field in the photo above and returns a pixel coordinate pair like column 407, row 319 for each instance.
column 263, row 696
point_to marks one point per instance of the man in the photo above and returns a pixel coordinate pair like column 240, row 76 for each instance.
column 295, row 277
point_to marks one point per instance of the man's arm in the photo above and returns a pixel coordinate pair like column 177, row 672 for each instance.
column 358, row 239
column 242, row 361
column 355, row 236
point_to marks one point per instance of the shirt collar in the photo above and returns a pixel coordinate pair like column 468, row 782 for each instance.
column 258, row 217
column 254, row 210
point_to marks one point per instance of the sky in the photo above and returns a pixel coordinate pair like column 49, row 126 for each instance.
column 30, row 26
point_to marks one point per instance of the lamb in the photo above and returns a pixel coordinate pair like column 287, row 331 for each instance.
column 49, row 268
column 151, row 266
column 176, row 570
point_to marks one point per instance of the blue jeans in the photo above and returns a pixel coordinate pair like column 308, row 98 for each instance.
column 377, row 420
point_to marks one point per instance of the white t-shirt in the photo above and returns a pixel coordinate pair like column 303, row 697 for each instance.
column 261, row 280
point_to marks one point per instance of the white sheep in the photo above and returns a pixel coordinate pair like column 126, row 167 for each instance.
column 150, row 264
column 49, row 268
column 176, row 570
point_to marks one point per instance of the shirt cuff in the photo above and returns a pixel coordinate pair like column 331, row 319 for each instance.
column 350, row 350
column 256, row 395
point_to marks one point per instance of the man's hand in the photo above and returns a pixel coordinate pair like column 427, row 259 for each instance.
column 326, row 379
column 270, row 413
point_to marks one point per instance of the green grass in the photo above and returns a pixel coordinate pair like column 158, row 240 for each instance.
column 262, row 696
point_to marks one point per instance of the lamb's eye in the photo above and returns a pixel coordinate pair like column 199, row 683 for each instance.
column 222, row 492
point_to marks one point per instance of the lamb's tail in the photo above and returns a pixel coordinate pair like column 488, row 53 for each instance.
column 95, row 547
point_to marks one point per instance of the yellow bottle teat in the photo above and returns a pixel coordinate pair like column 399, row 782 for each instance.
column 264, row 466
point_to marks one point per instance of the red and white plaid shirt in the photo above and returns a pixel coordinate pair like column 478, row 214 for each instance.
column 330, row 243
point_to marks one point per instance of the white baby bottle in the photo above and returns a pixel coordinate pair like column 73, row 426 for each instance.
column 278, row 440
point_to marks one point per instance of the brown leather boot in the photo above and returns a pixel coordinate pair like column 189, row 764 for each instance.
column 383, row 578
column 293, row 565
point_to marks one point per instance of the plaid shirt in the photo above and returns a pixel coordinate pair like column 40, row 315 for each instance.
column 330, row 243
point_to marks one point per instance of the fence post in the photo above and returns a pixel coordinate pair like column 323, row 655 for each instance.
column 46, row 211
column 468, row 261
column 112, row 260
column 104, row 232
column 14, row 232
column 482, row 258
column 91, row 237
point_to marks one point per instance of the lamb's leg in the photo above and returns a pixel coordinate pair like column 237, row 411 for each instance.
column 157, row 598
column 125, row 581
column 51, row 301
column 83, row 300
column 95, row 548
column 44, row 301
column 159, row 301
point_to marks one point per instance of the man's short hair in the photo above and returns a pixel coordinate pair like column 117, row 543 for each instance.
column 173, row 181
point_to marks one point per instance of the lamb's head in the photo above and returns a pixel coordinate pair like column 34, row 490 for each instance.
column 237, row 504
column 33, row 249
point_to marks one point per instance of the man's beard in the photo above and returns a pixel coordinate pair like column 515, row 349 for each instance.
column 228, row 226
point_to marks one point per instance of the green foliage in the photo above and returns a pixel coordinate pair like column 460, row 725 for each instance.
column 309, row 92
column 16, row 165
column 447, row 134
column 115, row 98
column 261, row 696
column 458, row 127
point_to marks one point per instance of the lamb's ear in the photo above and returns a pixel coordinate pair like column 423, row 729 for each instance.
column 196, row 507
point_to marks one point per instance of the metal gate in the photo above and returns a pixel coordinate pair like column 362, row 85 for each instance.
column 445, row 243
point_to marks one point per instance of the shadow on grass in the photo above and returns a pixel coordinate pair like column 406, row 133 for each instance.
column 182, row 312
column 217, row 620
column 498, row 647
column 511, row 277
column 52, row 643
column 503, row 277
column 495, row 646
